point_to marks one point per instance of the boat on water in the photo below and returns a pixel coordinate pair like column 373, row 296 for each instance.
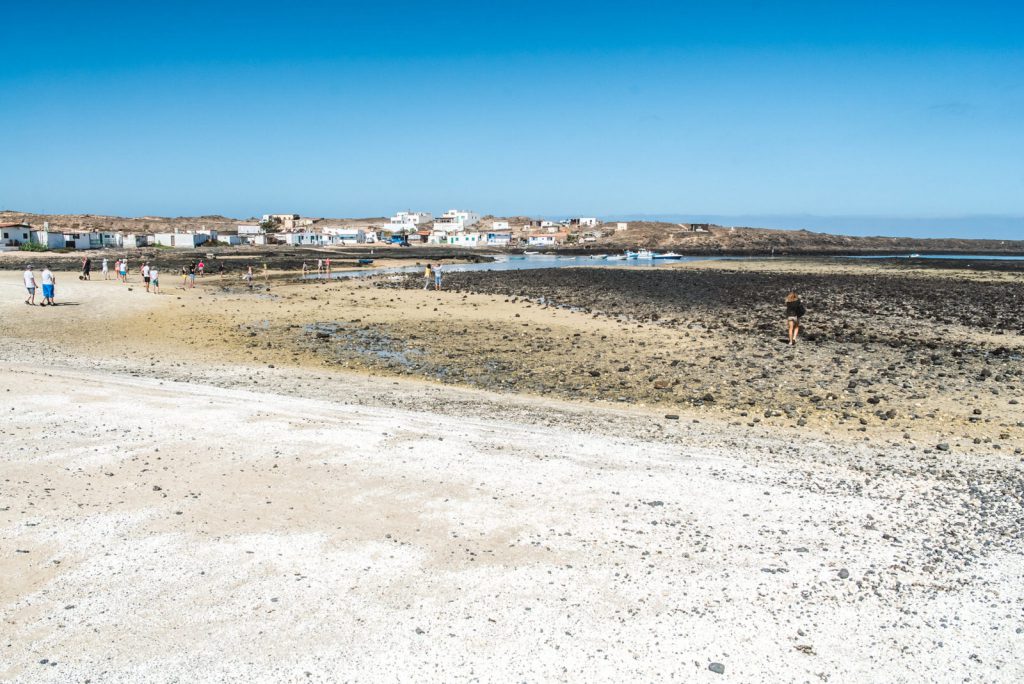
column 598, row 256
column 668, row 255
column 616, row 257
column 643, row 254
column 915, row 255
column 530, row 253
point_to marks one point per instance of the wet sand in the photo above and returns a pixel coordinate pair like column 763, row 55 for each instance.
column 199, row 486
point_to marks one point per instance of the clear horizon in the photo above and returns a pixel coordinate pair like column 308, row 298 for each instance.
column 861, row 118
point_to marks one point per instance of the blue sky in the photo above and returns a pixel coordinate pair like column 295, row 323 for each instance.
column 886, row 111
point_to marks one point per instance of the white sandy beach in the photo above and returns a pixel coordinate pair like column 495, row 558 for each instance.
column 160, row 530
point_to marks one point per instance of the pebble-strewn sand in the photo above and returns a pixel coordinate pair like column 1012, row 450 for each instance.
column 181, row 502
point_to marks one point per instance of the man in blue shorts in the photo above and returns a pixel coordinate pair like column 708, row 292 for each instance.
column 48, row 282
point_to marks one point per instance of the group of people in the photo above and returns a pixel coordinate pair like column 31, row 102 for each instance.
column 48, row 281
column 432, row 274
column 322, row 266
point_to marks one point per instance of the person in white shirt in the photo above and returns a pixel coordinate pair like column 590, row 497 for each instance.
column 30, row 285
column 154, row 280
column 106, row 270
column 49, row 281
column 146, row 274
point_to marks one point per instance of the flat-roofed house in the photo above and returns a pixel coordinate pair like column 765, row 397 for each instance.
column 15, row 234
column 181, row 240
column 48, row 239
column 464, row 239
column 546, row 239
column 456, row 220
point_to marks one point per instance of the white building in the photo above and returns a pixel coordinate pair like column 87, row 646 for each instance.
column 48, row 239
column 621, row 226
column 305, row 238
column 15, row 234
column 498, row 238
column 211, row 235
column 587, row 222
column 545, row 239
column 180, row 240
column 409, row 220
column 135, row 240
column 345, row 236
column 78, row 241
column 464, row 239
column 232, row 240
column 499, row 225
column 250, row 229
column 456, row 220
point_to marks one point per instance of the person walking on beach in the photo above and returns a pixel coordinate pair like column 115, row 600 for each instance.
column 319, row 266
column 106, row 269
column 437, row 276
column 327, row 265
column 30, row 285
column 428, row 276
column 154, row 280
column 794, row 311
column 248, row 275
column 192, row 274
column 124, row 270
column 201, row 268
column 49, row 282
column 147, row 274
column 86, row 268
column 305, row 268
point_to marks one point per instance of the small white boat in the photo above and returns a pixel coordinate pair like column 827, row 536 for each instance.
column 644, row 254
column 915, row 255
column 598, row 256
column 668, row 255
column 529, row 253
column 616, row 257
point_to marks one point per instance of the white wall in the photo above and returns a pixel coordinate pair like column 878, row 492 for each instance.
column 180, row 240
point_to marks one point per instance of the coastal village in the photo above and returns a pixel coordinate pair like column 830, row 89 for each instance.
column 453, row 228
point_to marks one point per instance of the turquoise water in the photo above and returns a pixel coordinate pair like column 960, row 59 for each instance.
column 535, row 261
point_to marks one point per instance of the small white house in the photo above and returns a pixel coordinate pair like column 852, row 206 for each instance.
column 48, row 239
column 78, row 241
column 346, row 236
column 464, row 239
column 457, row 220
column 181, row 240
column 545, row 239
column 410, row 219
column 15, row 234
column 621, row 226
column 586, row 222
column 498, row 238
column 232, row 240
column 136, row 240
column 305, row 238
column 250, row 229
column 499, row 225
